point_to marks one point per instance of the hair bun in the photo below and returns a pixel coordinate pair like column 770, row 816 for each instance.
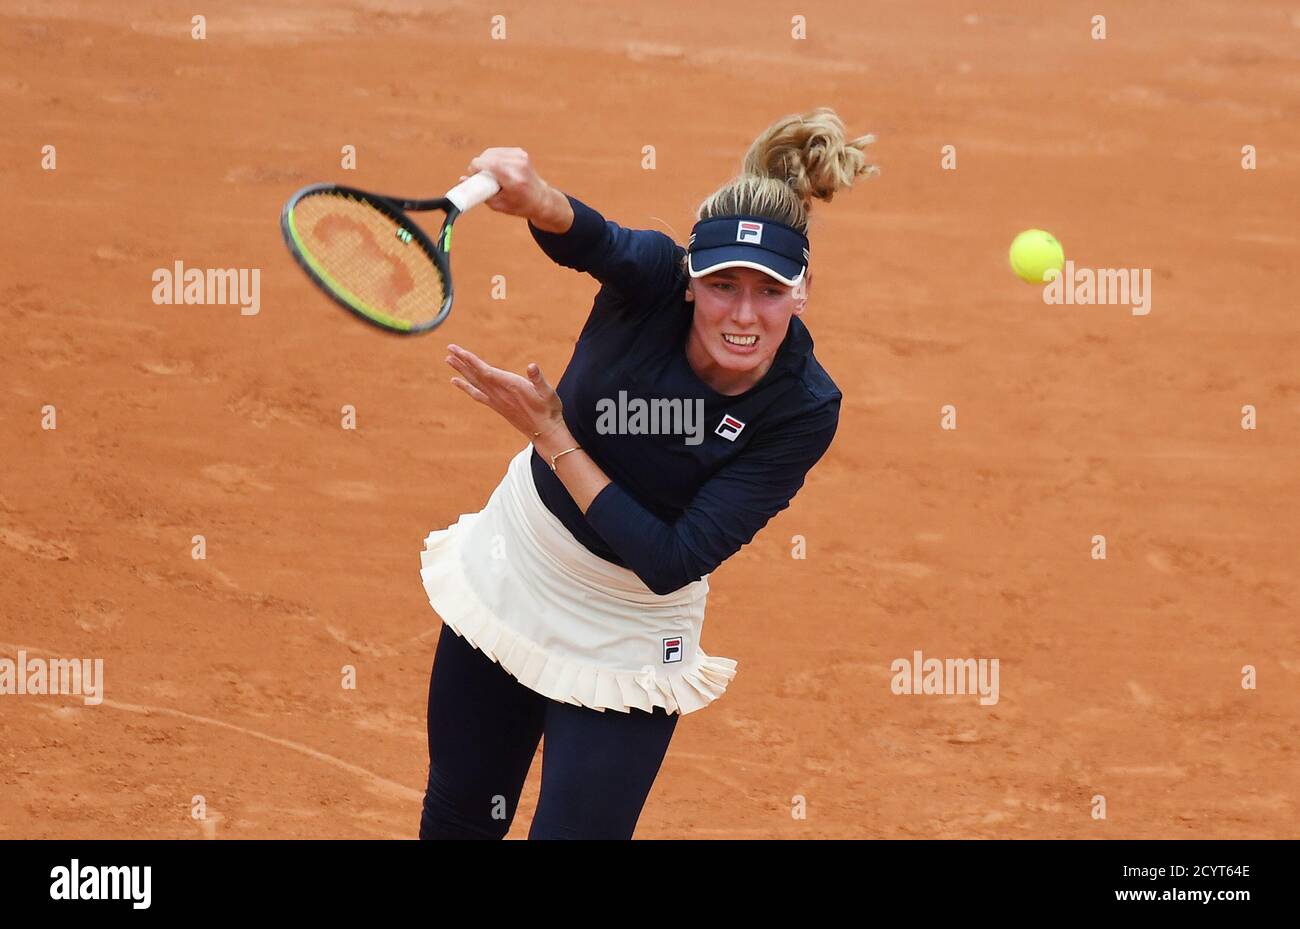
column 799, row 158
column 809, row 152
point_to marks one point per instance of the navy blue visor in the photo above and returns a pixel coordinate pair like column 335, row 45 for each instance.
column 748, row 242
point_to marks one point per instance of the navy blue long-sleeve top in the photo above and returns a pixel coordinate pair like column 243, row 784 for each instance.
column 674, row 510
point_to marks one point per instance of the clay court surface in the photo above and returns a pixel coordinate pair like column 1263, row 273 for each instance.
column 1119, row 678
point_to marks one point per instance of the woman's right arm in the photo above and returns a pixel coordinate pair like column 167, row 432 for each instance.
column 639, row 263
column 555, row 214
column 523, row 192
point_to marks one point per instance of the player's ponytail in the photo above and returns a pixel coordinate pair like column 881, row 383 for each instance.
column 799, row 158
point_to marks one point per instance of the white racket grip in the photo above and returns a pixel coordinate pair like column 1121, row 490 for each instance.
column 473, row 190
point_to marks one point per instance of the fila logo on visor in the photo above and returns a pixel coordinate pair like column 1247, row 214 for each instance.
column 747, row 231
column 672, row 649
column 729, row 428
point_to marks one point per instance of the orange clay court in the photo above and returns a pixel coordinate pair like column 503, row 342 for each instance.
column 1119, row 677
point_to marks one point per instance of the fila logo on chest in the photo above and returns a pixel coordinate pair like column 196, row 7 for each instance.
column 729, row 428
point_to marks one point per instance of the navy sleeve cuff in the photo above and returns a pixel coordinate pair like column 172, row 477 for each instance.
column 573, row 247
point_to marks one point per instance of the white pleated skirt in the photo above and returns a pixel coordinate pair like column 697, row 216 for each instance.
column 514, row 582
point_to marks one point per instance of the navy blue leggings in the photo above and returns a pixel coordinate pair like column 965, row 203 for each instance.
column 484, row 726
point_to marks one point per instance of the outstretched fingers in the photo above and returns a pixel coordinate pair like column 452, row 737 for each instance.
column 475, row 367
column 477, row 377
column 471, row 390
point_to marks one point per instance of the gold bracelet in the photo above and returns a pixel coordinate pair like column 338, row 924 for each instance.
column 563, row 453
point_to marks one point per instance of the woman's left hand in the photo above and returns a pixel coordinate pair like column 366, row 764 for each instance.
column 529, row 403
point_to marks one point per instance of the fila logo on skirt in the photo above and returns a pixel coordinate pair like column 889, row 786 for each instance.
column 672, row 649
column 729, row 428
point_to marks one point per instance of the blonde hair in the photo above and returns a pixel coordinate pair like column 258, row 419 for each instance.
column 799, row 158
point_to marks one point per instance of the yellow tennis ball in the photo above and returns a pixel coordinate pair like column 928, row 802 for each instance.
column 1034, row 253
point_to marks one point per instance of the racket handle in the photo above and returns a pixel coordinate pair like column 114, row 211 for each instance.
column 473, row 190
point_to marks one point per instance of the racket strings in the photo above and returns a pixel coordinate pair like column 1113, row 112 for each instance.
column 368, row 259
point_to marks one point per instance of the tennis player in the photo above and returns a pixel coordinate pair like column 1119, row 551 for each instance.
column 689, row 415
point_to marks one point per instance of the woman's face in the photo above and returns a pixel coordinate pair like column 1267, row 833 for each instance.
column 741, row 317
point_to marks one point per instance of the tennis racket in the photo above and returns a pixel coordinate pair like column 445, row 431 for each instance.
column 365, row 252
